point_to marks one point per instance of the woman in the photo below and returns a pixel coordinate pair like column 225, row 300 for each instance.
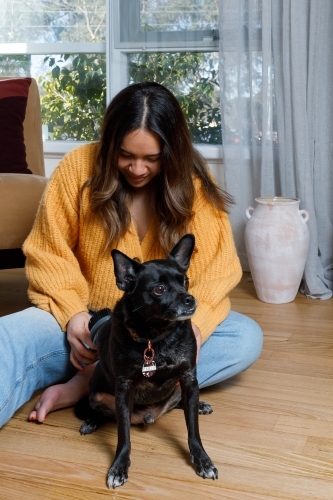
column 139, row 189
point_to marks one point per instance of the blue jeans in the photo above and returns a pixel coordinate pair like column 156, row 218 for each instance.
column 34, row 353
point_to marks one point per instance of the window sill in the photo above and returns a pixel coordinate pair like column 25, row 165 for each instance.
column 57, row 149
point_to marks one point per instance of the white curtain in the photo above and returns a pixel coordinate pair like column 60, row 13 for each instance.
column 276, row 78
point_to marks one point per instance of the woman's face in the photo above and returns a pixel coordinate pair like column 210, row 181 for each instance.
column 139, row 157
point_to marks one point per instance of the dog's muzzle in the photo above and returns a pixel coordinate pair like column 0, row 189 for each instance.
column 185, row 308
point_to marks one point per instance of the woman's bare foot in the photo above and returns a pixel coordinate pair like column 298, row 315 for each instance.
column 62, row 395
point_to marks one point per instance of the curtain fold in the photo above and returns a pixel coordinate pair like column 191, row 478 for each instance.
column 276, row 73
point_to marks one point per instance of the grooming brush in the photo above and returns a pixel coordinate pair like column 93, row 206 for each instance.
column 96, row 321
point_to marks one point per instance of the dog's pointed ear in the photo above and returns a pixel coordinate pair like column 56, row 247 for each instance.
column 182, row 251
column 125, row 270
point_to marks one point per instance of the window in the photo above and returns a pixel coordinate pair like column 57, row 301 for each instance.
column 173, row 42
column 62, row 44
column 82, row 53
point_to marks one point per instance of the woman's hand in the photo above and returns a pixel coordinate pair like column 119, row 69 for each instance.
column 78, row 335
column 197, row 335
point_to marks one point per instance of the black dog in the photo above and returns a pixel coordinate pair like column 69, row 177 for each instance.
column 147, row 353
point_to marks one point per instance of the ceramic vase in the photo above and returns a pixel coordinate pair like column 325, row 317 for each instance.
column 277, row 242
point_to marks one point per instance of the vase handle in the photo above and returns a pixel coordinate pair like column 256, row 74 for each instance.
column 247, row 212
column 307, row 215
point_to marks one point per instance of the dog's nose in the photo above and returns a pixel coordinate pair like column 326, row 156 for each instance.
column 189, row 300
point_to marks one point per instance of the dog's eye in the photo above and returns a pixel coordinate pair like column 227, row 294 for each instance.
column 159, row 290
column 186, row 283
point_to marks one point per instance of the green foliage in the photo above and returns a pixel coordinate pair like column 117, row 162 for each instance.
column 74, row 96
column 193, row 78
column 74, row 92
column 15, row 65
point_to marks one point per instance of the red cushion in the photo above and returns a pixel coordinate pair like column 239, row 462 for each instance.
column 13, row 103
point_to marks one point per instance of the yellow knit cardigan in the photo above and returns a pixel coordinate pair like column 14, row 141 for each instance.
column 69, row 271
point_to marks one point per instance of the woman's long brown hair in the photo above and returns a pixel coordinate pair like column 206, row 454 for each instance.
column 151, row 107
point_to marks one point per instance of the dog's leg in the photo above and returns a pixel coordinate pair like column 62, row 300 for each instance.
column 118, row 472
column 104, row 403
column 204, row 408
column 92, row 423
column 92, row 417
column 101, row 406
column 190, row 398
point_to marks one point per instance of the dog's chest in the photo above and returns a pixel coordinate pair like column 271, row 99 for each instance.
column 147, row 392
column 166, row 364
column 171, row 360
column 166, row 355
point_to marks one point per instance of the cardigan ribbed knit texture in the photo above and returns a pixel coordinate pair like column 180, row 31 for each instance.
column 69, row 271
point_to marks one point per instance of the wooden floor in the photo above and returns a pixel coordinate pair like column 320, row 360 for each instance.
column 270, row 435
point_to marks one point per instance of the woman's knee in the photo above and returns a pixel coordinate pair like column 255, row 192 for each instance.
column 232, row 348
column 248, row 335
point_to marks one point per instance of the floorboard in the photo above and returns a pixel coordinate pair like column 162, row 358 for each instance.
column 270, row 434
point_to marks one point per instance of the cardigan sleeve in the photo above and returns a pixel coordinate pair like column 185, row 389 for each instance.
column 215, row 267
column 56, row 283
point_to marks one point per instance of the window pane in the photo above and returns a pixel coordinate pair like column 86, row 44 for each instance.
column 72, row 89
column 52, row 21
column 178, row 15
column 193, row 78
column 15, row 65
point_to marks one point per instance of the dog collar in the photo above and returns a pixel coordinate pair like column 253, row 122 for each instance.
column 136, row 337
column 149, row 365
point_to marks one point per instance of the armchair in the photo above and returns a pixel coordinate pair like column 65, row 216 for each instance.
column 20, row 193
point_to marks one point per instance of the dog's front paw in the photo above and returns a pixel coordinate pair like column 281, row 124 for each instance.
column 204, row 408
column 204, row 467
column 117, row 475
column 148, row 418
column 90, row 425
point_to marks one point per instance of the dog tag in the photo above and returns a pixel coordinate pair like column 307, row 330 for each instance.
column 149, row 365
column 148, row 368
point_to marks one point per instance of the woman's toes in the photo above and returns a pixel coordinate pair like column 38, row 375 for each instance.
column 33, row 416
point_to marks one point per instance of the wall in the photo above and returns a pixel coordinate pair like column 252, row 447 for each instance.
column 50, row 165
